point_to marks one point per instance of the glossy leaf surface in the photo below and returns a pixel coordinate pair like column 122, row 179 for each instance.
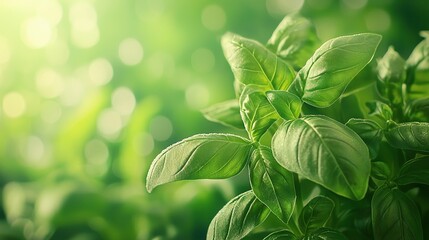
column 370, row 132
column 411, row 136
column 201, row 156
column 316, row 214
column 395, row 215
column 253, row 63
column 333, row 66
column 237, row 218
column 287, row 105
column 256, row 111
column 272, row 184
column 294, row 40
column 326, row 152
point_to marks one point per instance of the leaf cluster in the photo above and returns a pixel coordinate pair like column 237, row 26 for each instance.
column 316, row 161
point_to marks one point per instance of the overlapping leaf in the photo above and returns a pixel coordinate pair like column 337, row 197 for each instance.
column 200, row 156
column 287, row 105
column 325, row 77
column 326, row 152
column 316, row 214
column 237, row 218
column 411, row 136
column 226, row 113
column 414, row 171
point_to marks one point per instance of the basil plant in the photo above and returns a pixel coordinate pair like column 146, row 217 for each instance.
column 334, row 149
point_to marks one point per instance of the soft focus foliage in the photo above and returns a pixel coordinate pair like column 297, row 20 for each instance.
column 91, row 90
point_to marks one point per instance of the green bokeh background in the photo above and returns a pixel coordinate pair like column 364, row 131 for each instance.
column 92, row 90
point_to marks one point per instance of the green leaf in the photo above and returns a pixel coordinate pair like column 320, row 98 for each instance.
column 418, row 110
column 272, row 184
column 256, row 111
column 414, row 171
column 281, row 235
column 316, row 214
column 326, row 152
column 418, row 70
column 380, row 170
column 370, row 132
column 201, row 156
column 391, row 75
column 333, row 66
column 380, row 111
column 226, row 113
column 237, row 218
column 395, row 215
column 252, row 63
column 326, row 234
column 294, row 40
column 287, row 105
column 411, row 136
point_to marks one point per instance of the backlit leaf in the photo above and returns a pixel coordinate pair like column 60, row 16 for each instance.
column 287, row 105
column 226, row 113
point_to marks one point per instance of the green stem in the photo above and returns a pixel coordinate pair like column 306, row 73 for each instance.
column 293, row 223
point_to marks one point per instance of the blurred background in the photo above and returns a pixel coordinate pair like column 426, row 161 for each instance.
column 91, row 91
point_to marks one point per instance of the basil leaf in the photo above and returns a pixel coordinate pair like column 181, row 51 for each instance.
column 201, row 156
column 226, row 113
column 418, row 71
column 380, row 111
column 272, row 184
column 237, row 218
column 418, row 110
column 395, row 215
column 370, row 132
column 287, row 105
column 256, row 111
column 414, row 171
column 312, row 144
column 316, row 214
column 391, row 75
column 380, row 170
column 281, row 235
column 294, row 39
column 333, row 66
column 326, row 234
column 252, row 63
column 411, row 136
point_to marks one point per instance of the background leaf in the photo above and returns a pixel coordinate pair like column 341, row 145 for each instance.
column 287, row 105
column 237, row 218
column 395, row 215
column 325, row 234
column 294, row 39
column 312, row 144
column 414, row 171
column 252, row 63
column 316, row 214
column 199, row 156
column 323, row 78
column 370, row 132
column 226, row 113
column 411, row 136
column 256, row 111
column 281, row 235
column 272, row 184
column 418, row 71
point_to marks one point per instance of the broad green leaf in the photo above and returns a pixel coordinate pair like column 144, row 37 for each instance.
column 294, row 40
column 325, row 234
column 326, row 152
column 380, row 111
column 237, row 218
column 414, row 171
column 370, row 132
column 418, row 70
column 410, row 135
column 281, row 235
column 391, row 75
column 272, row 184
column 253, row 63
column 201, row 156
column 332, row 67
column 316, row 214
column 395, row 215
column 226, row 113
column 256, row 111
column 287, row 105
